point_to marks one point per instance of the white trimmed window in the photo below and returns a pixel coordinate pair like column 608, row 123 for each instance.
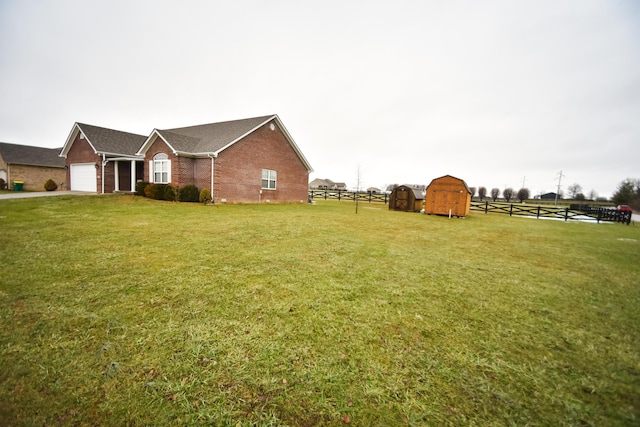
column 160, row 169
column 268, row 179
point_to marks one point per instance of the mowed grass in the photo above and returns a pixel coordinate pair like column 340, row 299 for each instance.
column 119, row 310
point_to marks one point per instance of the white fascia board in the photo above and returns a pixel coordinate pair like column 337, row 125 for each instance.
column 293, row 144
column 120, row 156
column 72, row 136
column 199, row 155
column 143, row 150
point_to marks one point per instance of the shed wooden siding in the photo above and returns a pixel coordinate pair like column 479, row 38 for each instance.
column 403, row 198
column 448, row 195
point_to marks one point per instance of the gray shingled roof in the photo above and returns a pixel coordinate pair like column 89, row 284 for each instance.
column 28, row 155
column 211, row 137
column 111, row 141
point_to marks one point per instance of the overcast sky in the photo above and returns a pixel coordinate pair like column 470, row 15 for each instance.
column 494, row 92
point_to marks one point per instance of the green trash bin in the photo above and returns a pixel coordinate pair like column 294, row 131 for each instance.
column 18, row 185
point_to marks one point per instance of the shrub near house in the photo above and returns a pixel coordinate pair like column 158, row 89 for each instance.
column 50, row 185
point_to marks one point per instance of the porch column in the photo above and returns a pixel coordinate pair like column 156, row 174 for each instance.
column 133, row 175
column 117, row 175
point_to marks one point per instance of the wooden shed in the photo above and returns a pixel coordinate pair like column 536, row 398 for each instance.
column 406, row 198
column 447, row 195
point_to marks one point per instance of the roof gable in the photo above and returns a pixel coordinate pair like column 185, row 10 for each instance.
column 212, row 138
column 29, row 155
column 417, row 190
column 104, row 140
column 450, row 178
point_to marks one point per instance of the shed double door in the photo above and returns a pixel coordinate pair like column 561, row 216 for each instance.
column 402, row 200
column 445, row 201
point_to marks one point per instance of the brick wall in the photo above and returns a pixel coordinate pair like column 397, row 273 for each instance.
column 202, row 173
column 34, row 177
column 238, row 169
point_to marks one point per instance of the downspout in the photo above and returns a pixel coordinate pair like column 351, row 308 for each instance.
column 212, row 156
column 104, row 163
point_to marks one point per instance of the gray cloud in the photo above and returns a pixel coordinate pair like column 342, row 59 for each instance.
column 491, row 92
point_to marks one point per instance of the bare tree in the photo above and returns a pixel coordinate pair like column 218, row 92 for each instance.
column 495, row 193
column 507, row 193
column 482, row 192
column 358, row 184
column 473, row 191
column 523, row 194
column 573, row 190
column 593, row 195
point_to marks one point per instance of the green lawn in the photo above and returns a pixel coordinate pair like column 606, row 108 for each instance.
column 120, row 310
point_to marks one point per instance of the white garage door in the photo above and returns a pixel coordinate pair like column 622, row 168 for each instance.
column 83, row 177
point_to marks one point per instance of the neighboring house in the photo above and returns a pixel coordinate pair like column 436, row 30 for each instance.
column 327, row 184
column 250, row 160
column 391, row 187
column 102, row 160
column 373, row 190
column 32, row 165
column 549, row 196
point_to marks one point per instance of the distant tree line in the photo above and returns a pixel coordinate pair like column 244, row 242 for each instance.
column 507, row 193
column 627, row 193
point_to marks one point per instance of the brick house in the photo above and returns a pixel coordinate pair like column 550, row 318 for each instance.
column 241, row 161
column 102, row 160
column 327, row 184
column 32, row 165
column 249, row 160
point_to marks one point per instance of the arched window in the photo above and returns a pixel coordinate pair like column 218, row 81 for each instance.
column 161, row 169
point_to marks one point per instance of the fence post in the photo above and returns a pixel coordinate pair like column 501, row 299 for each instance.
column 538, row 216
column 511, row 209
column 486, row 207
column 599, row 215
column 566, row 214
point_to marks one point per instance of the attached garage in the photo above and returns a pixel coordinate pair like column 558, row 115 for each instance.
column 83, row 177
column 448, row 195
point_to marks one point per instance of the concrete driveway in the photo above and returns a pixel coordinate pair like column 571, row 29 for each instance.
column 26, row 194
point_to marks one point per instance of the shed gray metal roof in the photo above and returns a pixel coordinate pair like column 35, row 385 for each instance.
column 418, row 190
column 29, row 155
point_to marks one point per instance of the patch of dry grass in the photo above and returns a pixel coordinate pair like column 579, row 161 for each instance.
column 122, row 310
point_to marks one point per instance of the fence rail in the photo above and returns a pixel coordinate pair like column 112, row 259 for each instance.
column 585, row 213
column 348, row 195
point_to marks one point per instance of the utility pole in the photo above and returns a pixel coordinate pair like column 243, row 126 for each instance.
column 559, row 182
